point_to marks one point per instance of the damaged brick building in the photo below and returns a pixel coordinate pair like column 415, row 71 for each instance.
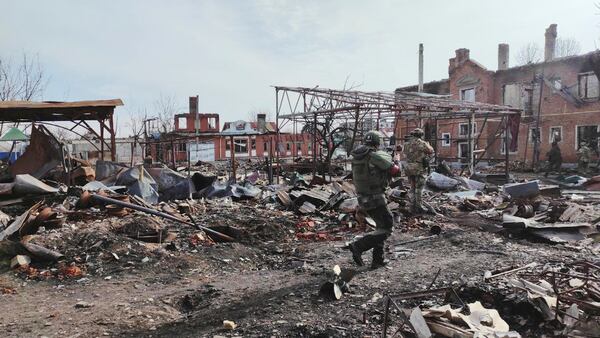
column 199, row 136
column 559, row 98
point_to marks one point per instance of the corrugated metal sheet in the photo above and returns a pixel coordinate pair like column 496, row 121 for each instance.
column 57, row 104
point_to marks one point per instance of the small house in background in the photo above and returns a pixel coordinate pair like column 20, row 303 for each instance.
column 12, row 144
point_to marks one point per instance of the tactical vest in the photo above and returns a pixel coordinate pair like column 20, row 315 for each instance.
column 368, row 179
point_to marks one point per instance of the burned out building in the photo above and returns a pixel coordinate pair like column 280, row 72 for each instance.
column 199, row 135
column 559, row 98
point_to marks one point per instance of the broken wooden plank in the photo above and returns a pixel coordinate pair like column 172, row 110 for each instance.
column 447, row 330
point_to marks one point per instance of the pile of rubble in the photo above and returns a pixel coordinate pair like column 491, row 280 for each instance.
column 555, row 299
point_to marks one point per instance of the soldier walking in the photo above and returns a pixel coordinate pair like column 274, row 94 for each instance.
column 583, row 157
column 417, row 153
column 372, row 170
column 554, row 159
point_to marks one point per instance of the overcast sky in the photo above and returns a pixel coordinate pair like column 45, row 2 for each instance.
column 231, row 52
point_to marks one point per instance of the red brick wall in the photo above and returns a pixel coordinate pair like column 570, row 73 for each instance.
column 191, row 120
column 555, row 110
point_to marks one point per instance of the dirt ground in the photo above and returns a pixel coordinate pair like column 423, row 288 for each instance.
column 267, row 283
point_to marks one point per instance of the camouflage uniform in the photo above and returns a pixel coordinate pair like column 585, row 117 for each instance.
column 417, row 151
column 371, row 176
column 583, row 157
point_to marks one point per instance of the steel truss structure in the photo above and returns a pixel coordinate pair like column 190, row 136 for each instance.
column 301, row 105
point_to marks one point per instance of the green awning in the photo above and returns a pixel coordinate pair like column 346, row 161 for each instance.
column 14, row 134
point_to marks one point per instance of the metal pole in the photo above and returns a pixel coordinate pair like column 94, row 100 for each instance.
column 101, row 139
column 536, row 143
column 420, row 88
column 471, row 143
column 506, row 174
column 233, row 175
column 113, row 142
column 189, row 163
column 277, row 132
column 173, row 152
column 314, row 144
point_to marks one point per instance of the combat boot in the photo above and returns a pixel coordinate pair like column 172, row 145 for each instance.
column 356, row 254
column 378, row 260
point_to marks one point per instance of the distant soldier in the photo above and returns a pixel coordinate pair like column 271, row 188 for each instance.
column 372, row 170
column 583, row 157
column 417, row 153
column 554, row 159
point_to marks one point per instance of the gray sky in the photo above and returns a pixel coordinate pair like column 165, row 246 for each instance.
column 231, row 52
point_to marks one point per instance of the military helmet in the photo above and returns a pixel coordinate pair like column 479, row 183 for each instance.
column 372, row 138
column 417, row 132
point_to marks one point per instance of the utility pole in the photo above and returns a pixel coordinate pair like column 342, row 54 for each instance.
column 535, row 134
column 420, row 68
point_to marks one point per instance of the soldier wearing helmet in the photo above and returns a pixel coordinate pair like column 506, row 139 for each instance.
column 372, row 170
column 417, row 151
column 583, row 157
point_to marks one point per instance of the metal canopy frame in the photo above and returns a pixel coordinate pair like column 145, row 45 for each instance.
column 300, row 105
column 78, row 112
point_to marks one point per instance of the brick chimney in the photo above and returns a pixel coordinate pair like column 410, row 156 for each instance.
column 503, row 54
column 550, row 44
column 462, row 55
column 194, row 104
column 261, row 122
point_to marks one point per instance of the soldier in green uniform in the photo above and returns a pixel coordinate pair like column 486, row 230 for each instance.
column 554, row 159
column 417, row 151
column 372, row 170
column 583, row 157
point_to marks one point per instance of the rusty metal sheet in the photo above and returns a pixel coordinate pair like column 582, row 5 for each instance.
column 42, row 155
column 51, row 104
column 27, row 184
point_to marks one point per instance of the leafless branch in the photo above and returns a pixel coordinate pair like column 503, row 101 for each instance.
column 23, row 81
column 166, row 108
column 567, row 47
column 530, row 53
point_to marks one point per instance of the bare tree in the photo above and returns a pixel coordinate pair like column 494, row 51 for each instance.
column 136, row 122
column 25, row 80
column 166, row 108
column 566, row 47
column 530, row 53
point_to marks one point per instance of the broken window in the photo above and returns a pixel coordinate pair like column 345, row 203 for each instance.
column 503, row 145
column 445, row 139
column 266, row 147
column 288, row 146
column 253, row 143
column 588, row 86
column 212, row 123
column 467, row 94
column 182, row 122
column 463, row 129
column 555, row 134
column 241, row 146
column 534, row 134
column 463, row 149
column 227, row 145
column 182, row 147
column 517, row 95
column 588, row 134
